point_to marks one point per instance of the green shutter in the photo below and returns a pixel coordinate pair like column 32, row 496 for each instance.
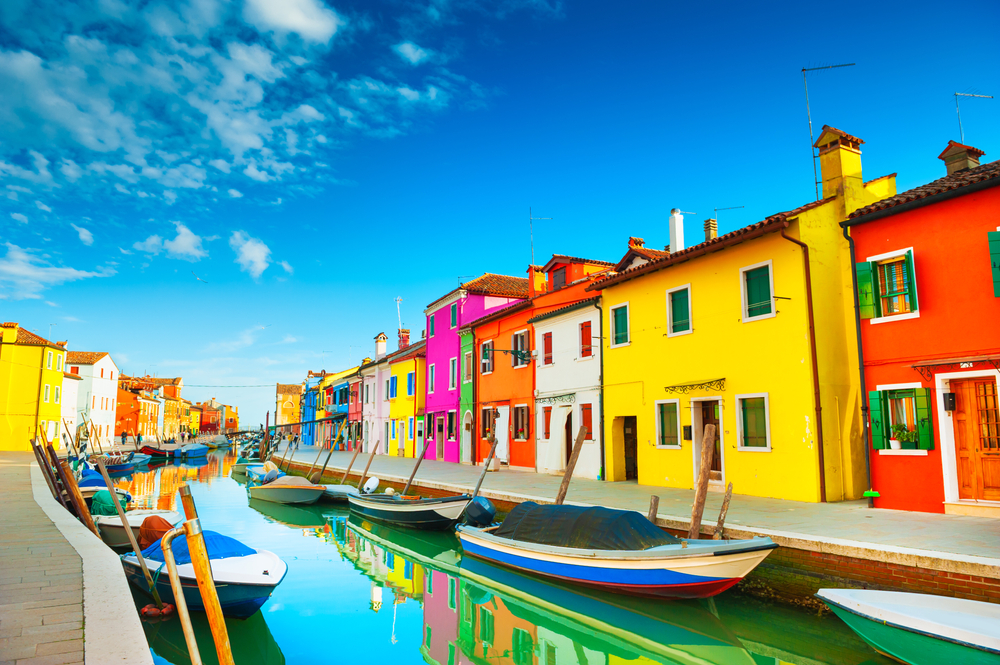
column 876, row 296
column 680, row 314
column 621, row 325
column 911, row 281
column 866, row 289
column 925, row 424
column 758, row 289
column 876, row 416
column 994, row 240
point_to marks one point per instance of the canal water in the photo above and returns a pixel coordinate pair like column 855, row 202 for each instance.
column 360, row 593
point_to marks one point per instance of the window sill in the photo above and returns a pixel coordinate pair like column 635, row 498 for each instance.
column 618, row 346
column 745, row 449
column 895, row 317
column 519, row 366
column 751, row 319
column 904, row 452
column 584, row 359
column 669, row 447
column 680, row 334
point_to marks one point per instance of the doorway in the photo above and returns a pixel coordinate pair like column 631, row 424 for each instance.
column 467, row 438
column 977, row 439
column 568, row 439
column 706, row 412
column 631, row 440
column 501, row 432
column 439, row 438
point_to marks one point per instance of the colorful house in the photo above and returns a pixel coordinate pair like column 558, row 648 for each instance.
column 752, row 332
column 406, row 397
column 232, row 416
column 194, row 426
column 467, row 403
column 288, row 397
column 445, row 317
column 31, row 383
column 98, row 392
column 375, row 406
column 311, row 407
column 355, row 419
column 928, row 275
column 335, row 398
column 70, row 389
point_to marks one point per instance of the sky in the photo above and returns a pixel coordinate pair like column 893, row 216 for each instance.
column 236, row 192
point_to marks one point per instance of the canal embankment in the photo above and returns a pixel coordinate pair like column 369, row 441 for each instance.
column 64, row 597
column 822, row 544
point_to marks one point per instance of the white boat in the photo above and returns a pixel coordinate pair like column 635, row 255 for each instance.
column 89, row 491
column 340, row 492
column 287, row 489
column 432, row 514
column 113, row 533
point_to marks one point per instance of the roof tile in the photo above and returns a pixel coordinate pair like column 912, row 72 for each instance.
column 956, row 180
column 84, row 357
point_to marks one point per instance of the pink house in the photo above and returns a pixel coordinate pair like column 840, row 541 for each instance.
column 445, row 316
column 440, row 636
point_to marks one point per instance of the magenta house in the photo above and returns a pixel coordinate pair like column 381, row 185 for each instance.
column 445, row 316
column 440, row 636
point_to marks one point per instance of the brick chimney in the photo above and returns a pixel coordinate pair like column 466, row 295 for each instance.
column 839, row 162
column 404, row 338
column 957, row 157
column 636, row 242
column 711, row 229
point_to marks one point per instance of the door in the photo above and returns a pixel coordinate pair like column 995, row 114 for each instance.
column 977, row 439
column 419, row 443
column 502, row 434
column 568, row 439
column 631, row 439
column 467, row 438
column 710, row 416
column 439, row 438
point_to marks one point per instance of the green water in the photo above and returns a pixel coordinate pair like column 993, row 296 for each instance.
column 361, row 593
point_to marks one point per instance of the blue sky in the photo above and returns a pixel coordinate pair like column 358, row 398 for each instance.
column 235, row 192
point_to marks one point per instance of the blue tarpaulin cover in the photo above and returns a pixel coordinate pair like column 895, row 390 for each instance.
column 218, row 546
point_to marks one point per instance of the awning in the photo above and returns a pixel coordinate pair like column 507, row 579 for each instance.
column 684, row 388
column 928, row 367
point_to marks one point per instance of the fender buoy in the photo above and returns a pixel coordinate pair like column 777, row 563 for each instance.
column 152, row 611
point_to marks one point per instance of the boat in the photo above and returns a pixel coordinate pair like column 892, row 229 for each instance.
column 920, row 628
column 258, row 472
column 240, row 467
column 160, row 451
column 244, row 577
column 113, row 533
column 117, row 463
column 89, row 492
column 141, row 459
column 191, row 450
column 339, row 493
column 287, row 489
column 432, row 514
column 614, row 550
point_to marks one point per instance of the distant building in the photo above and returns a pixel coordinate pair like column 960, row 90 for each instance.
column 288, row 397
column 70, row 389
column 98, row 392
column 232, row 418
column 31, row 380
column 194, row 419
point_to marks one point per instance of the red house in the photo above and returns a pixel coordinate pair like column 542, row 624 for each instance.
column 927, row 266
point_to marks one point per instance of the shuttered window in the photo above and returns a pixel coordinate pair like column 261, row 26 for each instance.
column 522, row 423
column 994, row 241
column 392, row 386
column 409, row 383
column 486, row 365
column 547, row 419
column 454, row 315
column 586, row 340
column 753, row 422
column 679, row 303
column 587, row 419
column 668, row 424
column 547, row 348
column 757, row 292
column 887, row 287
column 467, row 368
column 619, row 325
column 899, row 415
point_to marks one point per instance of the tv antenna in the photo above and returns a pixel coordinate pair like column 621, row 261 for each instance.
column 460, row 277
column 812, row 150
column 531, row 233
column 961, row 134
column 729, row 208
column 398, row 315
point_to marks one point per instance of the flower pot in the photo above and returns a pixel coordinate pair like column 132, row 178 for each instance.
column 895, row 444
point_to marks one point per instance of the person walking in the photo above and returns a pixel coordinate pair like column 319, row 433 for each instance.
column 124, row 438
column 138, row 440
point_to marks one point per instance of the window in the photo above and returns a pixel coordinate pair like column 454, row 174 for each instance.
column 887, row 286
column 486, row 365
column 668, row 424
column 366, row 392
column 451, row 425
column 467, row 367
column 486, row 626
column 901, row 414
column 410, row 383
column 452, row 593
column 587, row 420
column 547, row 348
column 59, row 363
column 619, row 325
column 48, row 361
column 410, row 428
column 57, row 395
column 487, row 422
column 586, row 340
column 679, row 311
column 394, row 429
column 430, row 326
column 74, row 370
column 521, row 423
column 522, row 648
column 756, row 293
column 387, row 431
column 47, row 389
column 752, row 421
column 519, row 342
column 452, row 373
column 392, row 386
column 102, row 372
column 454, row 314
column 386, row 389
column 558, row 278
column 430, row 378
column 547, row 420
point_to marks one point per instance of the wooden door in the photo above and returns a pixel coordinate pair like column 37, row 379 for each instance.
column 710, row 416
column 631, row 449
column 569, row 441
column 439, row 438
column 977, row 439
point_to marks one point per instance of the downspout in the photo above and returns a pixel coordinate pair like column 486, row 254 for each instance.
column 861, row 368
column 600, row 382
column 815, row 361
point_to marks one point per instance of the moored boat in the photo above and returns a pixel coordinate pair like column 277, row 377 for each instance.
column 287, row 489
column 259, row 471
column 192, row 450
column 432, row 514
column 339, row 493
column 920, row 628
column 113, row 532
column 615, row 550
column 161, row 450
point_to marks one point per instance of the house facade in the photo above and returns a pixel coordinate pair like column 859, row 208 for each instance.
column 375, row 407
column 406, row 398
column 928, row 285
column 288, row 397
column 444, row 318
column 68, row 414
column 31, row 385
column 355, row 421
column 467, row 403
column 98, row 391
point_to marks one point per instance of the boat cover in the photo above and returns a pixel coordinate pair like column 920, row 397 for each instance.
column 218, row 546
column 103, row 504
column 293, row 481
column 152, row 529
column 594, row 528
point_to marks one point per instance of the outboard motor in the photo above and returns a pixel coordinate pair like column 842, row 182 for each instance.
column 480, row 512
column 370, row 485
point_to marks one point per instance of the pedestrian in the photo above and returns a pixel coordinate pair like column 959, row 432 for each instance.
column 138, row 440
column 124, row 438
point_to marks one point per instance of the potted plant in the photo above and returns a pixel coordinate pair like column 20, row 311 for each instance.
column 902, row 434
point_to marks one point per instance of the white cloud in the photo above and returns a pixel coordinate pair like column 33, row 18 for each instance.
column 70, row 169
column 411, row 53
column 287, row 267
column 23, row 275
column 186, row 246
column 411, row 95
column 260, row 176
column 169, row 197
column 220, row 164
column 125, row 251
column 86, row 237
column 253, row 255
column 310, row 19
column 41, row 171
column 151, row 245
column 235, row 194
column 289, row 339
column 19, row 217
column 42, row 206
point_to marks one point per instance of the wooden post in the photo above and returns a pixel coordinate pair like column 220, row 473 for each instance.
column 47, row 474
column 206, row 585
column 720, row 526
column 570, row 465
column 654, row 505
column 190, row 512
column 486, row 465
column 131, row 536
column 701, row 490
column 343, row 480
column 364, row 473
column 175, row 585
column 315, row 462
column 427, row 444
column 69, row 482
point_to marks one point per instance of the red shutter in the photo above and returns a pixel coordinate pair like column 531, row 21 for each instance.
column 547, row 340
column 586, row 415
column 586, row 341
column 548, row 420
column 74, row 370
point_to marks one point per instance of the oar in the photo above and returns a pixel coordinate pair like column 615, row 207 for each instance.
column 364, row 474
column 417, row 466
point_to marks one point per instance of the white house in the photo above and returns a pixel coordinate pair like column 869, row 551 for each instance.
column 97, row 393
column 568, row 388
column 375, row 398
column 70, row 390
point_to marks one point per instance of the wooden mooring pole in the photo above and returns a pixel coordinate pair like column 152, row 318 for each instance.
column 654, row 505
column 721, row 524
column 343, row 479
column 416, row 466
column 570, row 465
column 364, row 474
column 704, row 473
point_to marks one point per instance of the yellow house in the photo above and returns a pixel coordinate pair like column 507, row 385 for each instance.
column 406, row 400
column 31, row 378
column 288, row 396
column 195, row 419
column 727, row 332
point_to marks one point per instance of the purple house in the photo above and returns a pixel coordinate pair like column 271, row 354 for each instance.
column 440, row 636
column 445, row 316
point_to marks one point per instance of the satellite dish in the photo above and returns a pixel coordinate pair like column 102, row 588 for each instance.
column 370, row 485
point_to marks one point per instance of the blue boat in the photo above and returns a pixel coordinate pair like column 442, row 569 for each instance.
column 244, row 577
column 193, row 450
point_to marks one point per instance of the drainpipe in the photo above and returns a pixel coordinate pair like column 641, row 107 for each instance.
column 815, row 362
column 861, row 369
column 600, row 382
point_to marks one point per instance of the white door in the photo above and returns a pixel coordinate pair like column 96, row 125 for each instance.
column 503, row 434
column 467, row 438
column 419, row 446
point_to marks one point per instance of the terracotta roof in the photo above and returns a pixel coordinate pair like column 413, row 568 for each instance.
column 67, row 375
column 28, row 337
column 498, row 314
column 562, row 258
column 838, row 132
column 84, row 357
column 412, row 351
column 956, row 180
column 289, row 388
column 565, row 309
column 490, row 284
column 638, row 249
column 176, row 381
column 771, row 224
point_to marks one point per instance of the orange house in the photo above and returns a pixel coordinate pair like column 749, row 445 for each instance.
column 504, row 341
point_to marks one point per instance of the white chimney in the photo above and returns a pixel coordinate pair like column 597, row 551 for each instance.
column 676, row 230
column 380, row 340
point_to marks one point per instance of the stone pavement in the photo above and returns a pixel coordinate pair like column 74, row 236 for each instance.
column 849, row 528
column 41, row 576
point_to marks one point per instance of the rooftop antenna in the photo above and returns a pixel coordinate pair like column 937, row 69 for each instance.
column 462, row 276
column 961, row 134
column 398, row 315
column 812, row 150
column 729, row 208
column 50, row 329
column 531, row 233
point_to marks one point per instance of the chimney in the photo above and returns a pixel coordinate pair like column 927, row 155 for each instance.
column 537, row 283
column 404, row 338
column 636, row 242
column 839, row 163
column 711, row 229
column 957, row 157
column 676, row 230
column 380, row 340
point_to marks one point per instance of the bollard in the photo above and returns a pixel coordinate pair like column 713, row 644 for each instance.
column 179, row 602
column 209, row 597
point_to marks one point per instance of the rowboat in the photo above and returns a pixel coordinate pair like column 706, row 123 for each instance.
column 615, row 550
column 161, row 450
column 192, row 450
column 433, row 514
column 89, row 492
column 244, row 577
column 339, row 493
column 258, row 472
column 920, row 628
column 287, row 489
column 113, row 533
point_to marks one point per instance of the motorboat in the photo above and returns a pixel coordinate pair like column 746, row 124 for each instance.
column 339, row 493
column 432, row 514
column 286, row 489
column 161, row 450
column 113, row 532
column 192, row 450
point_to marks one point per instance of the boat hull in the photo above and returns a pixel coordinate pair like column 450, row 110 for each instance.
column 339, row 493
column 158, row 452
column 427, row 514
column 286, row 494
column 113, row 533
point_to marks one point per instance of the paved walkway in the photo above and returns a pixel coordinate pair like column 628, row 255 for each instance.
column 848, row 528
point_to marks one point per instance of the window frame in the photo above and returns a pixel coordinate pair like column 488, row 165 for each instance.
column 467, row 366
column 547, row 349
column 453, row 315
column 56, row 395
column 547, row 422
column 670, row 312
column 590, row 430
column 739, row 422
column 885, row 256
column 527, row 422
column 431, row 375
column 453, row 373
column 515, row 362
column 430, row 325
column 486, row 421
column 589, row 347
column 451, row 426
column 46, row 392
column 488, row 344
column 680, row 431
column 628, row 324
column 745, row 317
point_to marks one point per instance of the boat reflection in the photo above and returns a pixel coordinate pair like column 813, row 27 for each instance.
column 297, row 517
column 157, row 487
